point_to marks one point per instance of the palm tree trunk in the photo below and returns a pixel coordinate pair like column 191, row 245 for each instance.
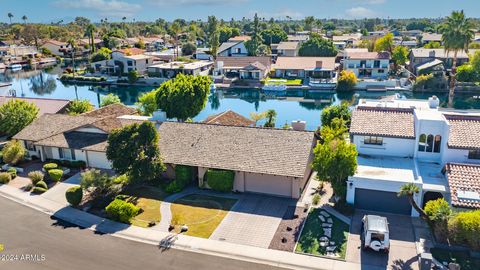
column 451, row 92
column 420, row 211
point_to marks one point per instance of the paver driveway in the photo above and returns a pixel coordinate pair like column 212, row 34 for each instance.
column 253, row 220
column 403, row 254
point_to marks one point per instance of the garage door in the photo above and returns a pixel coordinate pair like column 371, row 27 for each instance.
column 382, row 201
column 98, row 160
column 268, row 184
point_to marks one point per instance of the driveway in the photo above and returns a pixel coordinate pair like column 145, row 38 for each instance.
column 403, row 254
column 253, row 220
column 57, row 192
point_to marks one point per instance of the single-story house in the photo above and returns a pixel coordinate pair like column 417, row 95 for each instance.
column 348, row 39
column 45, row 105
column 305, row 67
column 203, row 54
column 171, row 69
column 269, row 161
column 245, row 67
column 229, row 118
column 232, row 49
column 57, row 48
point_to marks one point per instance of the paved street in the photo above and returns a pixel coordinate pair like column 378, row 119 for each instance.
column 27, row 231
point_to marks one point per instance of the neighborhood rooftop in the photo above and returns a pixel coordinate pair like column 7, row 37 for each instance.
column 45, row 105
column 229, row 118
column 367, row 55
column 464, row 182
column 464, row 131
column 305, row 63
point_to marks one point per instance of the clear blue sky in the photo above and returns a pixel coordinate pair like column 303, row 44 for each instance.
column 46, row 11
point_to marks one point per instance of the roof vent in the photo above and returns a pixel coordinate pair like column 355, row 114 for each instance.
column 433, row 102
column 466, row 195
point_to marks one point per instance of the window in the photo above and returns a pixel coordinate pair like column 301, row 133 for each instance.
column 380, row 71
column 429, row 143
column 421, row 143
column 373, row 140
column 474, row 154
column 438, row 142
column 129, row 63
column 68, row 154
column 29, row 146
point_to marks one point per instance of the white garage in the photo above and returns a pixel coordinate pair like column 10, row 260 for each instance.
column 98, row 160
column 268, row 184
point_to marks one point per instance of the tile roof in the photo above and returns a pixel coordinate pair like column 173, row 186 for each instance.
column 240, row 38
column 464, row 131
column 131, row 51
column 304, row 63
column 111, row 110
column 368, row 55
column 463, row 177
column 288, row 45
column 439, row 53
column 229, row 118
column 244, row 61
column 45, row 105
column 431, row 37
column 381, row 121
column 256, row 150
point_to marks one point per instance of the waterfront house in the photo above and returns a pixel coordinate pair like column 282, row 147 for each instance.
column 124, row 61
column 171, row 69
column 371, row 65
column 245, row 67
column 413, row 141
column 421, row 56
column 58, row 48
column 287, row 48
column 305, row 67
column 232, row 49
column 246, row 151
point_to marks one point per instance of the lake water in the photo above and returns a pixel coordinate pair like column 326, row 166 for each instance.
column 290, row 105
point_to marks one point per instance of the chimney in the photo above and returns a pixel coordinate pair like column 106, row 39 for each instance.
column 299, row 125
column 433, row 102
column 159, row 116
column 319, row 64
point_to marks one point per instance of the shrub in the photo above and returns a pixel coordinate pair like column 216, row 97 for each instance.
column 79, row 106
column 38, row 190
column 98, row 181
column 220, row 180
column 173, row 187
column 438, row 210
column 5, row 178
column 316, row 199
column 122, row 211
column 464, row 229
column 13, row 152
column 36, row 176
column 183, row 176
column 121, row 179
column 346, row 81
column 42, row 184
column 50, row 166
column 55, row 174
column 12, row 172
column 74, row 195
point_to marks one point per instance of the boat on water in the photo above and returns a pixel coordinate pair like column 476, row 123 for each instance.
column 15, row 67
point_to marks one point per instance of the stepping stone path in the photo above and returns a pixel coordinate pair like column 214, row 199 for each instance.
column 325, row 214
column 331, row 248
column 322, row 218
column 329, row 220
column 326, row 225
column 327, row 232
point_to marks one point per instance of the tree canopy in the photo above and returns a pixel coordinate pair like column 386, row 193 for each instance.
column 110, row 99
column 15, row 115
column 273, row 36
column 317, row 46
column 384, row 43
column 341, row 111
column 79, row 106
column 400, row 55
column 133, row 150
column 184, row 96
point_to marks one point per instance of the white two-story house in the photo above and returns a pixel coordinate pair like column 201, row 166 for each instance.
column 412, row 141
column 233, row 49
column 124, row 61
column 367, row 65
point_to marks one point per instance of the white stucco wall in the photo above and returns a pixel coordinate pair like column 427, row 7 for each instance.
column 391, row 147
column 458, row 156
column 98, row 160
column 233, row 50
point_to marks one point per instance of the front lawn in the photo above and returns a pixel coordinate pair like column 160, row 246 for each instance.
column 462, row 258
column 313, row 230
column 277, row 81
column 149, row 200
column 201, row 213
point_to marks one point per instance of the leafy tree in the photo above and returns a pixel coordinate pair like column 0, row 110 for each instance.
column 140, row 44
column 184, row 96
column 270, row 115
column 465, row 229
column 400, row 55
column 79, row 106
column 213, row 35
column 225, row 33
column 255, row 41
column 334, row 161
column 470, row 72
column 457, row 34
column 264, row 50
column 257, row 116
column 336, row 130
column 438, row 210
column 273, row 36
column 133, row 76
column 409, row 190
column 147, row 103
column 13, row 152
column 419, row 25
column 340, row 111
column 15, row 115
column 346, row 81
column 384, row 43
column 309, row 21
column 102, row 54
column 329, row 26
column 110, row 99
column 133, row 150
column 433, row 45
column 317, row 46
column 189, row 48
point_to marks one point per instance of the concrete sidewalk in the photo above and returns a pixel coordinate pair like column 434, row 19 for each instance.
column 166, row 240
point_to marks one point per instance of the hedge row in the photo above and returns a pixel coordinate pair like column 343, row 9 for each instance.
column 73, row 164
column 183, row 176
column 69, row 77
column 220, row 180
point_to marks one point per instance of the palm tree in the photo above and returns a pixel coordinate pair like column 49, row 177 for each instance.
column 10, row 16
column 270, row 115
column 24, row 18
column 409, row 190
column 457, row 34
column 175, row 30
column 90, row 32
column 73, row 44
column 257, row 116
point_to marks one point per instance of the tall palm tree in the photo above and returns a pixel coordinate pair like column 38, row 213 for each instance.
column 24, row 18
column 90, row 32
column 409, row 190
column 73, row 44
column 457, row 34
column 175, row 30
column 10, row 16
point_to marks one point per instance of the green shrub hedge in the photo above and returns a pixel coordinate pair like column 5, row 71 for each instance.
column 42, row 184
column 5, row 178
column 465, row 229
column 38, row 190
column 73, row 164
column 36, row 176
column 121, row 210
column 183, row 176
column 50, row 166
column 220, row 180
column 12, row 172
column 74, row 195
column 55, row 174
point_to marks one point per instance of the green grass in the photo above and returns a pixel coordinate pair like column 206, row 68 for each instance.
column 462, row 258
column 312, row 231
column 149, row 200
column 274, row 81
column 202, row 214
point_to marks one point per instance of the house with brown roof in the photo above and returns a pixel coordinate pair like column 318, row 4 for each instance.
column 247, row 67
column 234, row 48
column 247, row 151
column 45, row 105
column 305, row 67
column 412, row 141
column 374, row 65
column 229, row 118
column 58, row 48
column 124, row 61
column 288, row 48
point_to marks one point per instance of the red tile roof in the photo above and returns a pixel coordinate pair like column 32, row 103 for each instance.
column 464, row 131
column 463, row 177
column 388, row 122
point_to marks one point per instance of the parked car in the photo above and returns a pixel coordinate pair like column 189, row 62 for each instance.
column 375, row 234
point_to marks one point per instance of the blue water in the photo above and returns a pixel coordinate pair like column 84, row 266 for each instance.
column 290, row 105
